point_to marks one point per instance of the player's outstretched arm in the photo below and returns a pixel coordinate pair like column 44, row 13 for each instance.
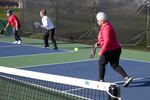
column 6, row 27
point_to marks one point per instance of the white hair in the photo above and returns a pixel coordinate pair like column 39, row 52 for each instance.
column 101, row 16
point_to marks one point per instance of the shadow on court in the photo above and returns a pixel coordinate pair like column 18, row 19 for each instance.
column 144, row 83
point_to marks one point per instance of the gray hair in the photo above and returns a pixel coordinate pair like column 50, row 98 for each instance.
column 101, row 16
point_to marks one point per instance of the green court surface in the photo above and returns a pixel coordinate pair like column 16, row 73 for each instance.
column 44, row 59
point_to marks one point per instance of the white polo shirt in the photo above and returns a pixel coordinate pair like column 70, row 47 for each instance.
column 47, row 23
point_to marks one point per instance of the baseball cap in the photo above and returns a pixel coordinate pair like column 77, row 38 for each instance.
column 9, row 11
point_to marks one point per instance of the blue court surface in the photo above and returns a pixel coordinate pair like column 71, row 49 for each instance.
column 9, row 49
column 140, row 71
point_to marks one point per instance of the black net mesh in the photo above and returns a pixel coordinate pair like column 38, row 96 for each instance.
column 17, row 84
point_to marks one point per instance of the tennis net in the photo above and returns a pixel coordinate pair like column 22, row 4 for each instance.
column 18, row 84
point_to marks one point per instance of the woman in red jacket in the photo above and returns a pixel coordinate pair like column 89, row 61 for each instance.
column 110, row 49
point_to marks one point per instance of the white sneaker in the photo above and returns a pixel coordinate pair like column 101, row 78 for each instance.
column 19, row 42
column 15, row 42
column 127, row 81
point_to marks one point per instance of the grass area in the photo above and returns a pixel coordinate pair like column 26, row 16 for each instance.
column 3, row 12
column 82, row 54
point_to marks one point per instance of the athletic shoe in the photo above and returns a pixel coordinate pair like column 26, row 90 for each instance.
column 127, row 81
column 15, row 42
column 100, row 80
column 46, row 47
column 19, row 42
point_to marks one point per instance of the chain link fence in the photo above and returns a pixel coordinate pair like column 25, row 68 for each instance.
column 75, row 19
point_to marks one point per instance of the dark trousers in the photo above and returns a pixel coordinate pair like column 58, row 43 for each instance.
column 113, row 58
column 46, row 36
column 16, row 35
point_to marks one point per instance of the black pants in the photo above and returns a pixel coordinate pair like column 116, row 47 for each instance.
column 46, row 36
column 113, row 58
column 16, row 35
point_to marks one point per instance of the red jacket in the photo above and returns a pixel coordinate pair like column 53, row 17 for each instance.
column 12, row 20
column 107, row 38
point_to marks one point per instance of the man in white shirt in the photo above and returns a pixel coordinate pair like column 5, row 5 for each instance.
column 49, row 27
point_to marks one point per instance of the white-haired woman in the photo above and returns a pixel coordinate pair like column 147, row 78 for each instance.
column 110, row 49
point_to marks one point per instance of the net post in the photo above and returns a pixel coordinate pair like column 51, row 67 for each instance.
column 114, row 92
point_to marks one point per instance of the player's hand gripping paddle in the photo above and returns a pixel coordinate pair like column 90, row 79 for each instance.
column 92, row 51
column 36, row 24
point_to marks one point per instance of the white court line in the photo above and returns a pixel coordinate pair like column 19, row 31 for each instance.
column 63, row 52
column 135, row 79
column 10, row 46
column 76, row 89
column 36, row 46
column 42, row 47
column 35, row 54
column 135, row 60
column 86, row 60
column 79, row 61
